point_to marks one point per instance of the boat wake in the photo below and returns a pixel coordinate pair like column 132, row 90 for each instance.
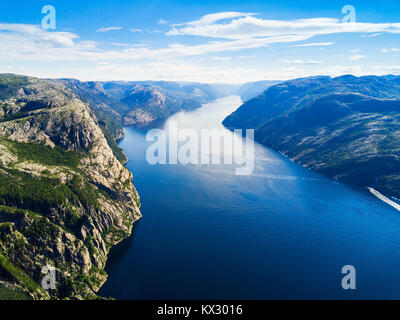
column 384, row 199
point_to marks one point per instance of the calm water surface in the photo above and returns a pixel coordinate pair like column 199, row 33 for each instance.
column 283, row 233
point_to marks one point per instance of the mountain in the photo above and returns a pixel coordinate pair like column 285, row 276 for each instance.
column 118, row 103
column 149, row 101
column 346, row 127
column 251, row 90
column 65, row 199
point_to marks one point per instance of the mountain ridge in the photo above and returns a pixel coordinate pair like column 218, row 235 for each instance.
column 119, row 103
column 346, row 128
column 65, row 199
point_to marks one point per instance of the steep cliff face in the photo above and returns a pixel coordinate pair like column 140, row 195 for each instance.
column 64, row 197
column 148, row 105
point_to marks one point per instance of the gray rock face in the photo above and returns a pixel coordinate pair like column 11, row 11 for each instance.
column 95, row 202
column 149, row 105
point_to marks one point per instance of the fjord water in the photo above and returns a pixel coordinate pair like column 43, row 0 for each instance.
column 283, row 232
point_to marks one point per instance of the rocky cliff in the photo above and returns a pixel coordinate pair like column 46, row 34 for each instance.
column 65, row 199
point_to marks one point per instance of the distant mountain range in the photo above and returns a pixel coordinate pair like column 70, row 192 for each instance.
column 347, row 128
column 137, row 102
column 120, row 103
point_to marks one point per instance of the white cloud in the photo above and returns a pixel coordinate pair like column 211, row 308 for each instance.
column 357, row 57
column 384, row 50
column 246, row 57
column 231, row 32
column 32, row 43
column 128, row 45
column 240, row 30
column 180, row 50
column 315, row 44
column 373, row 35
column 382, row 70
column 245, row 25
column 355, row 50
column 299, row 61
column 211, row 18
column 107, row 29
column 162, row 21
column 24, row 35
column 136, row 30
column 162, row 70
column 221, row 58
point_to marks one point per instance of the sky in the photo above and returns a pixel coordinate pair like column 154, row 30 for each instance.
column 201, row 41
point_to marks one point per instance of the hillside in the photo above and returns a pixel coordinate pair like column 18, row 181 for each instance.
column 118, row 103
column 251, row 90
column 347, row 128
column 65, row 199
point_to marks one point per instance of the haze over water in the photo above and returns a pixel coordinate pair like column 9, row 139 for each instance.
column 283, row 232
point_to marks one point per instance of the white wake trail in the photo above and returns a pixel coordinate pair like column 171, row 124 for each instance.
column 384, row 199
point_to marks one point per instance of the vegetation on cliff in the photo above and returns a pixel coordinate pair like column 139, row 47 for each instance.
column 65, row 199
column 347, row 128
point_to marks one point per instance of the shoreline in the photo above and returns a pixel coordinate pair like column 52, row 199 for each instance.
column 380, row 196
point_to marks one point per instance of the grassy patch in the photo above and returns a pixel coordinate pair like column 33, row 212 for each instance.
column 10, row 84
column 12, row 294
column 42, row 154
column 21, row 190
column 15, row 116
column 18, row 274
column 42, row 195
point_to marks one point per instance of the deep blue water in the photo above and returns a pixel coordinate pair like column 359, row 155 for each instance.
column 283, row 233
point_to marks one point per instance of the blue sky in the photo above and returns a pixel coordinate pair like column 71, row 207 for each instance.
column 203, row 41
